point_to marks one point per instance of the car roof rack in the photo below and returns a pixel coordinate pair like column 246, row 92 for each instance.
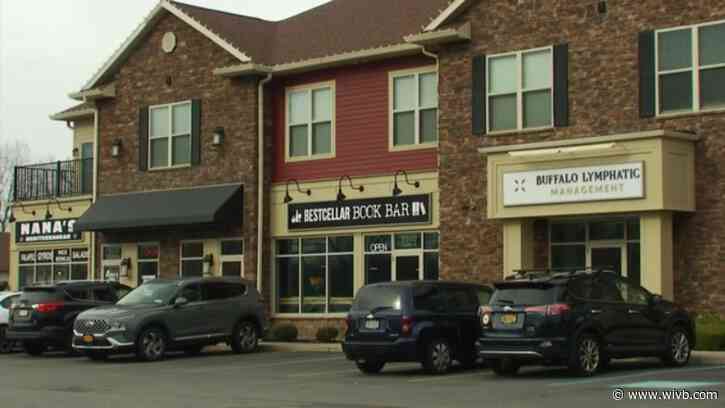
column 542, row 273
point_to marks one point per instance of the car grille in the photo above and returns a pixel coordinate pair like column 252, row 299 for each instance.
column 91, row 326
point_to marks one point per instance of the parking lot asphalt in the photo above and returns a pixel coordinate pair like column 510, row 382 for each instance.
column 308, row 379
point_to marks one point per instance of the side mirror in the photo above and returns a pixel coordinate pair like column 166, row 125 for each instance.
column 655, row 300
column 180, row 301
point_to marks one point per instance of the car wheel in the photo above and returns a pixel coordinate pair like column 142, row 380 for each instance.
column 505, row 367
column 586, row 357
column 438, row 357
column 678, row 348
column 96, row 355
column 193, row 350
column 34, row 349
column 370, row 366
column 5, row 346
column 245, row 338
column 151, row 345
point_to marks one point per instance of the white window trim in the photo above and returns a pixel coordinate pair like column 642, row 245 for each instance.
column 300, row 255
column 171, row 136
column 695, row 70
column 191, row 258
column 395, row 252
column 231, row 258
column 416, row 72
column 157, row 260
column 110, row 262
column 519, row 91
column 309, row 89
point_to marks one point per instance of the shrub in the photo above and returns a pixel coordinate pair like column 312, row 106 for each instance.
column 327, row 334
column 284, row 332
column 710, row 333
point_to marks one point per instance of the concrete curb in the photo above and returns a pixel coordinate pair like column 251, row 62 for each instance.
column 301, row 347
column 708, row 357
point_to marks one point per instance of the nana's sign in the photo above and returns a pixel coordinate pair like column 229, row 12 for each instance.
column 358, row 213
column 46, row 231
column 570, row 185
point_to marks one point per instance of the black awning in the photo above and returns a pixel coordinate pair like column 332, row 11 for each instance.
column 208, row 205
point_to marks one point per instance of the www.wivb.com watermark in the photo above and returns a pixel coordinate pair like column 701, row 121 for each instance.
column 619, row 394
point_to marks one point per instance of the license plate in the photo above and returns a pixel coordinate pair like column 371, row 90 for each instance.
column 509, row 318
column 23, row 313
column 372, row 324
column 88, row 339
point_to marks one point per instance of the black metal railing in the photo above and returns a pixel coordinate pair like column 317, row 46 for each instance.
column 53, row 180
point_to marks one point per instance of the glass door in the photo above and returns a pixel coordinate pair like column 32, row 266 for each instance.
column 407, row 267
column 608, row 257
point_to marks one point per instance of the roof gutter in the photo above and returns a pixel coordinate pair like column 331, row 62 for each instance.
column 73, row 115
column 101, row 92
column 441, row 37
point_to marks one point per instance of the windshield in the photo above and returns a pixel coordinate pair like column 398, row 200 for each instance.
column 526, row 296
column 378, row 298
column 152, row 293
column 36, row 295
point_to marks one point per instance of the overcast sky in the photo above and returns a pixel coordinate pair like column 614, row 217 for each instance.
column 49, row 48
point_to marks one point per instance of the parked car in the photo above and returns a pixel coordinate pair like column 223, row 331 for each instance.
column 43, row 316
column 186, row 315
column 431, row 322
column 6, row 301
column 581, row 320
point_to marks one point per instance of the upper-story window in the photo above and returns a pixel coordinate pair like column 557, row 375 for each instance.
column 170, row 135
column 310, row 122
column 414, row 108
column 690, row 68
column 520, row 90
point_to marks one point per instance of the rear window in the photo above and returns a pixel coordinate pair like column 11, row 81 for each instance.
column 38, row 295
column 528, row 295
column 379, row 298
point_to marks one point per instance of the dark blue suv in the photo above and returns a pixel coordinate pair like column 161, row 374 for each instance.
column 431, row 322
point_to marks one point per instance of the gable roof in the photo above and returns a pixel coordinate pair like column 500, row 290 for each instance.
column 454, row 8
column 79, row 111
column 336, row 27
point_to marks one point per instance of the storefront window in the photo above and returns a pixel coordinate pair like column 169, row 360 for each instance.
column 148, row 262
column 111, row 262
column 321, row 268
column 192, row 264
column 48, row 266
column 413, row 256
column 232, row 260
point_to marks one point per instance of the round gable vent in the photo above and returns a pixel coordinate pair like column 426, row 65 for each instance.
column 168, row 43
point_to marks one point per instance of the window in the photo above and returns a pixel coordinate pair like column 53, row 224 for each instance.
column 222, row 290
column 148, row 262
column 48, row 266
column 632, row 294
column 315, row 275
column 429, row 298
column 191, row 292
column 414, row 108
column 401, row 256
column 5, row 304
column 111, row 262
column 461, row 300
column 192, row 259
column 78, row 293
column 311, row 122
column 170, row 135
column 690, row 68
column 232, row 257
column 519, row 92
column 104, row 294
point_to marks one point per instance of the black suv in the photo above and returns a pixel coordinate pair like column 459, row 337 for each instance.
column 43, row 316
column 580, row 319
column 186, row 315
column 431, row 322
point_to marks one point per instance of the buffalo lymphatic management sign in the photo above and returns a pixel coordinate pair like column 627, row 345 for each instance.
column 46, row 231
column 578, row 184
column 355, row 213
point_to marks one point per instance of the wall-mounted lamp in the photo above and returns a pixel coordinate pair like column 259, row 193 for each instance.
column 342, row 197
column 75, row 152
column 396, row 190
column 12, row 218
column 208, row 262
column 116, row 148
column 288, row 198
column 125, row 267
column 48, row 215
column 218, row 137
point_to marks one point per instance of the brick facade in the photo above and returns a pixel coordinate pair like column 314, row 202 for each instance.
column 150, row 77
column 603, row 97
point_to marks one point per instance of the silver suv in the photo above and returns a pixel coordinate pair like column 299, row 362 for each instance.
column 164, row 315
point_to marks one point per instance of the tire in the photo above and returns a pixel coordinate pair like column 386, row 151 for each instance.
column 438, row 357
column 34, row 349
column 151, row 344
column 193, row 350
column 6, row 346
column 370, row 366
column 245, row 337
column 505, row 367
column 96, row 355
column 679, row 348
column 586, row 357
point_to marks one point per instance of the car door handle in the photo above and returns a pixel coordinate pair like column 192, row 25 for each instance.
column 596, row 311
column 634, row 312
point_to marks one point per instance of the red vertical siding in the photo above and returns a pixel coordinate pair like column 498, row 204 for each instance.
column 361, row 135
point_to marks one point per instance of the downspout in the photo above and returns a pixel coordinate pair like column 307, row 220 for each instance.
column 260, row 179
column 96, row 155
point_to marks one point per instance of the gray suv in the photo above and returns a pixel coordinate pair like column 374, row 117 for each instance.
column 184, row 315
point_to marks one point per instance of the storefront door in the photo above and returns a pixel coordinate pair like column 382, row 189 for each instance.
column 607, row 257
column 407, row 267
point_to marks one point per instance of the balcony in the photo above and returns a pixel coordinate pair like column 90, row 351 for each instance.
column 48, row 181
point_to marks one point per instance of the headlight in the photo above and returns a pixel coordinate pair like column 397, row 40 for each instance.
column 117, row 326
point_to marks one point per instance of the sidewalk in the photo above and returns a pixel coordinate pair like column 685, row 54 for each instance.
column 301, row 347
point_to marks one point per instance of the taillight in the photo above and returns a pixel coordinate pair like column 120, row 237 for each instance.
column 48, row 307
column 484, row 313
column 406, row 328
column 557, row 309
